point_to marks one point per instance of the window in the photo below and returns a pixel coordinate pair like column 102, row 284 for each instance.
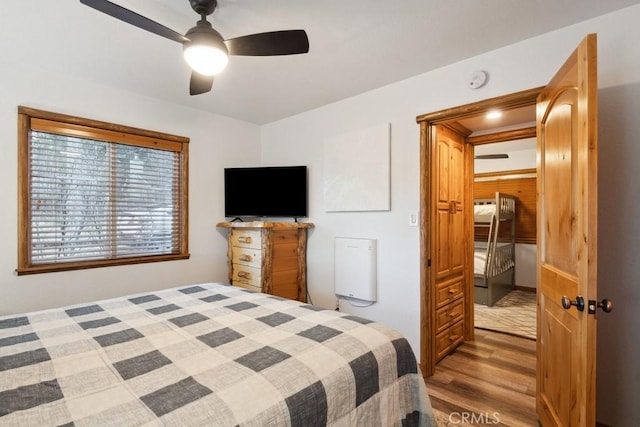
column 94, row 194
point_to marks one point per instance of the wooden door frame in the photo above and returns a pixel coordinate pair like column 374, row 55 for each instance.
column 427, row 294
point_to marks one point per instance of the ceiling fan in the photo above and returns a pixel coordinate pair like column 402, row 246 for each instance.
column 204, row 49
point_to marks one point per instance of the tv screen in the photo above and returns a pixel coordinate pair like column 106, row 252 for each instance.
column 271, row 191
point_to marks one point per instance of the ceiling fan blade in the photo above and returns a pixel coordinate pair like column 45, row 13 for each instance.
column 288, row 42
column 200, row 83
column 134, row 19
column 492, row 156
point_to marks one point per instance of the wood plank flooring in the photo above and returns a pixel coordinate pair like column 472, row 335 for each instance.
column 489, row 381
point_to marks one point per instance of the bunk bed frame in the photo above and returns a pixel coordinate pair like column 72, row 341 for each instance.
column 494, row 259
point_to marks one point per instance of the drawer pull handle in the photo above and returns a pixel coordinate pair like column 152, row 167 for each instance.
column 453, row 338
column 245, row 258
column 452, row 291
column 244, row 239
column 244, row 274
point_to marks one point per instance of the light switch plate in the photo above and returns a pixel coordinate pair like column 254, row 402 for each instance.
column 413, row 219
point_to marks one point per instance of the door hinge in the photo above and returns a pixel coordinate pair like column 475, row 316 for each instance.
column 429, row 263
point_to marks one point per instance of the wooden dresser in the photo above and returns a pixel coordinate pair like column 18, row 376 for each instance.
column 269, row 257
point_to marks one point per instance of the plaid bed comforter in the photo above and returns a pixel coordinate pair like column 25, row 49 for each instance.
column 208, row 354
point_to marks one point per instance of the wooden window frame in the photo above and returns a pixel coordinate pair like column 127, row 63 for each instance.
column 103, row 131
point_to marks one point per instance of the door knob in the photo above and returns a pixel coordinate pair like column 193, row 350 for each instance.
column 567, row 303
column 606, row 305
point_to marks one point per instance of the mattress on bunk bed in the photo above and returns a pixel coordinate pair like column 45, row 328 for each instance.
column 206, row 354
column 484, row 212
column 479, row 261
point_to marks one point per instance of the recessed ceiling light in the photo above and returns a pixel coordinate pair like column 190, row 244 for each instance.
column 494, row 114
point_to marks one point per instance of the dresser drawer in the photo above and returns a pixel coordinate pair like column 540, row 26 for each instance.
column 448, row 339
column 246, row 238
column 247, row 275
column 449, row 314
column 247, row 286
column 448, row 292
column 247, row 256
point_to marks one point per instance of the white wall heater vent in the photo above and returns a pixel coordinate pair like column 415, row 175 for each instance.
column 356, row 268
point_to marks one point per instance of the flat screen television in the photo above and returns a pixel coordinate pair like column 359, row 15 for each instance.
column 268, row 191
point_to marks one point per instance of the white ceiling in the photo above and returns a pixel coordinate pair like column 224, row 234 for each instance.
column 355, row 45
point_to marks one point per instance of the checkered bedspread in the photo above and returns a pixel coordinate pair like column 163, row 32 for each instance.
column 209, row 355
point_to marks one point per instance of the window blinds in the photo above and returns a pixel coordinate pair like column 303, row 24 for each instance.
column 93, row 199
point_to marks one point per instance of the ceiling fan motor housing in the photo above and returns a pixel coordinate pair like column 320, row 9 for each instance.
column 203, row 7
column 203, row 33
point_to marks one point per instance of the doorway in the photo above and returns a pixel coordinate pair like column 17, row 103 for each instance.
column 504, row 260
column 505, row 244
column 566, row 123
column 431, row 333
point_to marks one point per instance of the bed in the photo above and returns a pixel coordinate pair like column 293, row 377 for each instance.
column 494, row 254
column 208, row 354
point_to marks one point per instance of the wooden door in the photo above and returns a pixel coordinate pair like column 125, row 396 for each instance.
column 449, row 203
column 567, row 231
column 448, row 250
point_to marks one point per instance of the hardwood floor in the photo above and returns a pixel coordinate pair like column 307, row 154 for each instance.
column 489, row 381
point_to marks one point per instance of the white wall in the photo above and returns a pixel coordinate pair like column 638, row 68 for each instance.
column 299, row 140
column 526, row 273
column 619, row 253
column 212, row 140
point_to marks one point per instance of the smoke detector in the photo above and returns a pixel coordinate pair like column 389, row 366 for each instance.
column 478, row 79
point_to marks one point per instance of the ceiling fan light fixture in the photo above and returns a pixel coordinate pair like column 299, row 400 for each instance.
column 205, row 52
column 205, row 60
